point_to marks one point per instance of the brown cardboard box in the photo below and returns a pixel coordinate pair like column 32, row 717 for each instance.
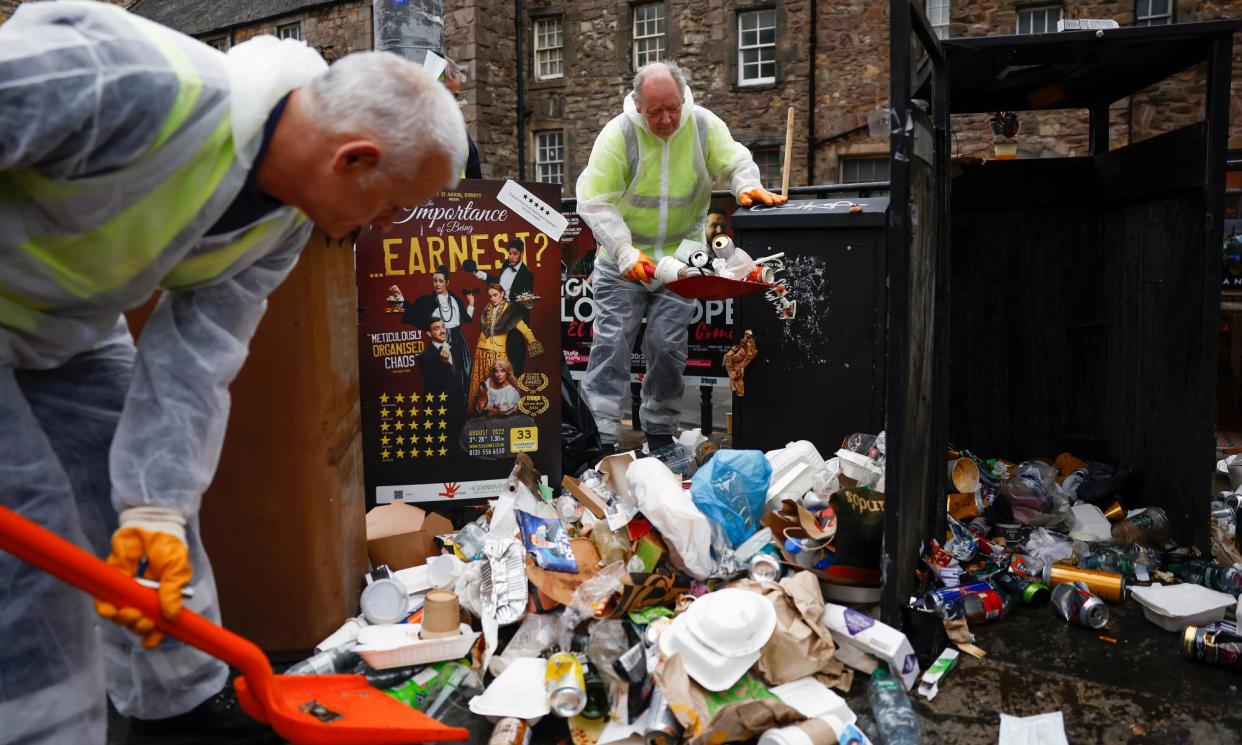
column 402, row 535
column 613, row 469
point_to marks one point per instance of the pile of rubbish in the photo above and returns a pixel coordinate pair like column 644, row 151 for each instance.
column 702, row 595
column 1041, row 533
column 672, row 598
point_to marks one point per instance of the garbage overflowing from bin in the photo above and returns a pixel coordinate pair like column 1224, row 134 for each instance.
column 702, row 595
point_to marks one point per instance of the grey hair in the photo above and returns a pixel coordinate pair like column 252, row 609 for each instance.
column 679, row 78
column 392, row 101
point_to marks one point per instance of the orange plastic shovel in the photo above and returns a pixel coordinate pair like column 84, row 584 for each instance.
column 301, row 708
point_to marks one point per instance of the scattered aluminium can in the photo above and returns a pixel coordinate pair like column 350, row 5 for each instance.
column 1076, row 604
column 510, row 731
column 947, row 601
column 662, row 727
column 1031, row 593
column 566, row 685
column 1110, row 586
column 1212, row 647
column 765, row 568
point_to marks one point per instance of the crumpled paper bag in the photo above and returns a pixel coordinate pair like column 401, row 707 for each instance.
column 801, row 646
column 1224, row 550
column 743, row 712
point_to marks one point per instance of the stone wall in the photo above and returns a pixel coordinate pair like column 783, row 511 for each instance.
column 851, row 69
column 479, row 36
column 333, row 30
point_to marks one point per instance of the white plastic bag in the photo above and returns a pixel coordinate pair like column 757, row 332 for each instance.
column 671, row 511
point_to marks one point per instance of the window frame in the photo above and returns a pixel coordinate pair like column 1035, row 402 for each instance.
column 540, row 148
column 1049, row 27
column 874, row 159
column 537, row 50
column 226, row 40
column 1147, row 19
column 661, row 37
column 742, row 81
column 765, row 150
column 296, row 27
column 941, row 29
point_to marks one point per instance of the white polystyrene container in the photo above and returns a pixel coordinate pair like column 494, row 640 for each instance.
column 1174, row 607
column 398, row 645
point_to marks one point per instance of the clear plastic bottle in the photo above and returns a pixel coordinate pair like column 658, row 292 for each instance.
column 333, row 661
column 895, row 720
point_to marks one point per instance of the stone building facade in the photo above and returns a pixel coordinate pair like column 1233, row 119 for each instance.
column 829, row 61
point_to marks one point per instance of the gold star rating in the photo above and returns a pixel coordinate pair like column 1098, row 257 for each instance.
column 399, row 398
column 413, row 452
column 383, row 398
column 443, row 452
column 443, row 437
column 441, row 411
column 427, row 424
column 383, row 426
column 400, row 441
column 429, row 452
column 400, row 453
column 443, row 424
column 443, row 396
column 400, row 426
column 414, row 398
column 400, row 413
column 384, row 413
column 384, row 454
column 413, row 412
column 384, row 441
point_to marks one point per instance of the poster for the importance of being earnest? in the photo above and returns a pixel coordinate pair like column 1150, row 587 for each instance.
column 459, row 342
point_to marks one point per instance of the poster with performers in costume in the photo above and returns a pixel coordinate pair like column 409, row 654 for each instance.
column 459, row 344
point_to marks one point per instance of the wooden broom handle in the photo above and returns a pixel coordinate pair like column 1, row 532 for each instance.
column 789, row 121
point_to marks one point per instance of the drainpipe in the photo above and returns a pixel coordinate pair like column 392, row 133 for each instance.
column 519, row 29
column 409, row 28
column 810, row 95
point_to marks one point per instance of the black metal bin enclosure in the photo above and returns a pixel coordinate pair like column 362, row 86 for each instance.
column 820, row 375
column 1082, row 294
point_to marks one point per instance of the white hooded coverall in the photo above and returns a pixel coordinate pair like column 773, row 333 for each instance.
column 649, row 192
column 121, row 144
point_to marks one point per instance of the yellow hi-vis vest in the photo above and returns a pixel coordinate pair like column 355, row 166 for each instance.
column 651, row 192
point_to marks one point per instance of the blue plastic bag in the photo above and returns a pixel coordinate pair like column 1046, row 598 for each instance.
column 730, row 489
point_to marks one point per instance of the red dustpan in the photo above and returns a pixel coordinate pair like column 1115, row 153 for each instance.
column 713, row 287
column 301, row 708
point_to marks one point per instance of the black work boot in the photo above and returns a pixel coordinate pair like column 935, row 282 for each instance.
column 218, row 719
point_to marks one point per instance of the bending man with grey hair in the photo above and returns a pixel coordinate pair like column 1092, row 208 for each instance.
column 136, row 159
column 645, row 189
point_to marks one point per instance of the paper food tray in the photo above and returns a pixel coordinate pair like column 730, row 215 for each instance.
column 1174, row 607
column 398, row 645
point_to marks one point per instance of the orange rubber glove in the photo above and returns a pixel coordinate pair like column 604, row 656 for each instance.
column 761, row 195
column 156, row 534
column 635, row 265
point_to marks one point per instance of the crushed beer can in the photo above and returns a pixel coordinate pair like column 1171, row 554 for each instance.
column 1075, row 603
